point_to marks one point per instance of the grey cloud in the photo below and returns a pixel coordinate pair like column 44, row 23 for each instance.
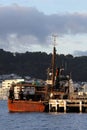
column 24, row 21
column 80, row 53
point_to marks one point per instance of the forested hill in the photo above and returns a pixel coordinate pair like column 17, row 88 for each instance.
column 35, row 64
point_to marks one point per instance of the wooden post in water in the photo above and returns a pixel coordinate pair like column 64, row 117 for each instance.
column 64, row 105
column 56, row 105
column 80, row 106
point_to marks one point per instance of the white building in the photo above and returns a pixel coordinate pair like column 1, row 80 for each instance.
column 6, row 84
column 83, row 90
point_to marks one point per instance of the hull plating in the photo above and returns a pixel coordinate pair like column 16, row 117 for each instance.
column 25, row 106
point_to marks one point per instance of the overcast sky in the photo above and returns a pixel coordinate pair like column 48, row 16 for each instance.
column 28, row 25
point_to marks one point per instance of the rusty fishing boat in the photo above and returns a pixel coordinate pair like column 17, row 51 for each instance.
column 26, row 97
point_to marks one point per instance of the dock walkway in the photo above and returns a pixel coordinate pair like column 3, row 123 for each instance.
column 67, row 105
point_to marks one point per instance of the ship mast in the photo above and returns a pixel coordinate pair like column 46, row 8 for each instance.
column 54, row 60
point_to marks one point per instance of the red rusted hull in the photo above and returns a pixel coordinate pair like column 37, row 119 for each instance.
column 25, row 106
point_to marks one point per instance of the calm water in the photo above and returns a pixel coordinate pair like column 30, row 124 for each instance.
column 40, row 121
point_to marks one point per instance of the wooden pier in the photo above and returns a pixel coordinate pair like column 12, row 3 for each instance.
column 67, row 105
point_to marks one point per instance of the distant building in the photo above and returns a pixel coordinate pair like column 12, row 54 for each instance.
column 6, row 84
column 83, row 90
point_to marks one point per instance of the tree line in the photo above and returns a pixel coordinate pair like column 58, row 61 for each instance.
column 35, row 64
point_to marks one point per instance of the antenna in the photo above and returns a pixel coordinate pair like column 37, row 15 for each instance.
column 54, row 39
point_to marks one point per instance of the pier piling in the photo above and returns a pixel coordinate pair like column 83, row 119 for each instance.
column 80, row 106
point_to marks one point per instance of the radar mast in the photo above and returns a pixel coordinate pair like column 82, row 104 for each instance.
column 54, row 60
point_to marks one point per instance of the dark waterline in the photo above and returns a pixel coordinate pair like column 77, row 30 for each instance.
column 41, row 121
